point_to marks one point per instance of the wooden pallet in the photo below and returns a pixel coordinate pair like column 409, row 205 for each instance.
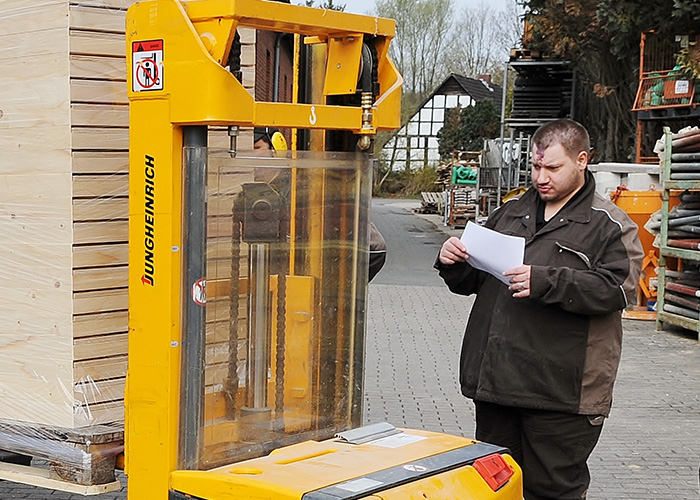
column 83, row 457
column 430, row 203
column 43, row 478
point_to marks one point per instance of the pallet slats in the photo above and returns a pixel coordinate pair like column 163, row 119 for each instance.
column 97, row 44
column 91, row 209
column 103, row 300
column 64, row 211
column 99, row 278
column 96, row 186
column 101, row 346
column 97, row 19
column 100, row 116
column 64, row 143
column 100, row 323
column 98, row 68
column 99, row 369
column 102, row 162
column 97, row 92
column 100, row 255
column 104, row 138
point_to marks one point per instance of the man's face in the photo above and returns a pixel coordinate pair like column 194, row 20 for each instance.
column 555, row 174
column 261, row 144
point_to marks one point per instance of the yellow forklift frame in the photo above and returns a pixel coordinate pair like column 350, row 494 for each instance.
column 176, row 53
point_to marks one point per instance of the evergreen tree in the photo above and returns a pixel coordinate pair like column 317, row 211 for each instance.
column 466, row 128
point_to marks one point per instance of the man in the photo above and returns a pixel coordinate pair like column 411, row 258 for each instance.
column 269, row 139
column 539, row 357
column 377, row 251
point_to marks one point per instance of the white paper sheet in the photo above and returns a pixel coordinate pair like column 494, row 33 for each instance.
column 491, row 251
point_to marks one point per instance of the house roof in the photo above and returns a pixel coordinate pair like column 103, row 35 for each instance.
column 456, row 84
column 477, row 89
column 461, row 85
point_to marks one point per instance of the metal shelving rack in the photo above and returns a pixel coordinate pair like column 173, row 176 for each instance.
column 665, row 251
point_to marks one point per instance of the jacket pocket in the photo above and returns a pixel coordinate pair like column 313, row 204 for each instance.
column 538, row 363
column 581, row 256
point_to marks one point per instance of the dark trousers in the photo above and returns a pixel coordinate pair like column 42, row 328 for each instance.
column 552, row 448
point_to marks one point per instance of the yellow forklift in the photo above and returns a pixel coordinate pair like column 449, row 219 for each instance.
column 248, row 270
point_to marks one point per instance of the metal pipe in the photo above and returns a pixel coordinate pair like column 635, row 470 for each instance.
column 193, row 296
column 503, row 106
column 232, row 379
column 573, row 94
column 276, row 69
column 259, row 341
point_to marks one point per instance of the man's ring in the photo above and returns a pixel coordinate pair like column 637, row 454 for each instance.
column 522, row 286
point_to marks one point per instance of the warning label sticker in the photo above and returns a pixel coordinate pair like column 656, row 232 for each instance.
column 199, row 292
column 147, row 71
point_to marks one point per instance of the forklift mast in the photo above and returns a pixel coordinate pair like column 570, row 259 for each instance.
column 248, row 269
column 246, row 306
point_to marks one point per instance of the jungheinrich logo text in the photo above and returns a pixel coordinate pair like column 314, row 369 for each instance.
column 149, row 222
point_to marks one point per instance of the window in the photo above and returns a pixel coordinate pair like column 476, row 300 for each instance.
column 464, row 101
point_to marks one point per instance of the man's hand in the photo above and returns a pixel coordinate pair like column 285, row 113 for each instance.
column 453, row 251
column 519, row 280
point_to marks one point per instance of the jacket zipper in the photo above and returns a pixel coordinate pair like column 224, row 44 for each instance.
column 581, row 255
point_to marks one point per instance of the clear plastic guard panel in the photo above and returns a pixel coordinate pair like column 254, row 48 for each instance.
column 286, row 278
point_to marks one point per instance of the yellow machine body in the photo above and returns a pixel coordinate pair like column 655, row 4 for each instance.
column 411, row 468
column 267, row 433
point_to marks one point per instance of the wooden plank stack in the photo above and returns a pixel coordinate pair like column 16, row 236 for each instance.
column 64, row 211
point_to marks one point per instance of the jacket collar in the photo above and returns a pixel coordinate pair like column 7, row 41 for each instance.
column 579, row 210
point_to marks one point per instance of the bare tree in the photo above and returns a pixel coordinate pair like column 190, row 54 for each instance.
column 423, row 28
column 481, row 40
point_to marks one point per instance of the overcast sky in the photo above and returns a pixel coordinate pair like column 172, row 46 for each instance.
column 364, row 6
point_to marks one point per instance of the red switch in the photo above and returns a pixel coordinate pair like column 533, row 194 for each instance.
column 494, row 469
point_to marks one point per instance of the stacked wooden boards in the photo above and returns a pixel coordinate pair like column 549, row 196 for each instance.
column 64, row 209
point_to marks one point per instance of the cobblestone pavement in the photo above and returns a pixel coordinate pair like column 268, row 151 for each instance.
column 650, row 446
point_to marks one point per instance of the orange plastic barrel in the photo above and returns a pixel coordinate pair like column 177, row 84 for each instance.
column 639, row 205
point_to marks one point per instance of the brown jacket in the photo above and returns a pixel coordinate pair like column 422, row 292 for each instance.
column 560, row 348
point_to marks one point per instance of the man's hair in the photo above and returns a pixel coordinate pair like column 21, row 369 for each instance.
column 570, row 134
column 264, row 134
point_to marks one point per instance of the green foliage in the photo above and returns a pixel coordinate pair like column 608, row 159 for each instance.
column 601, row 38
column 688, row 61
column 407, row 184
column 686, row 15
column 466, row 128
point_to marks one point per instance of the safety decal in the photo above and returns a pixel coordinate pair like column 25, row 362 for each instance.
column 147, row 71
column 199, row 292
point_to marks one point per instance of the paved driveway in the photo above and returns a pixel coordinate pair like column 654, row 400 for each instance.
column 650, row 447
